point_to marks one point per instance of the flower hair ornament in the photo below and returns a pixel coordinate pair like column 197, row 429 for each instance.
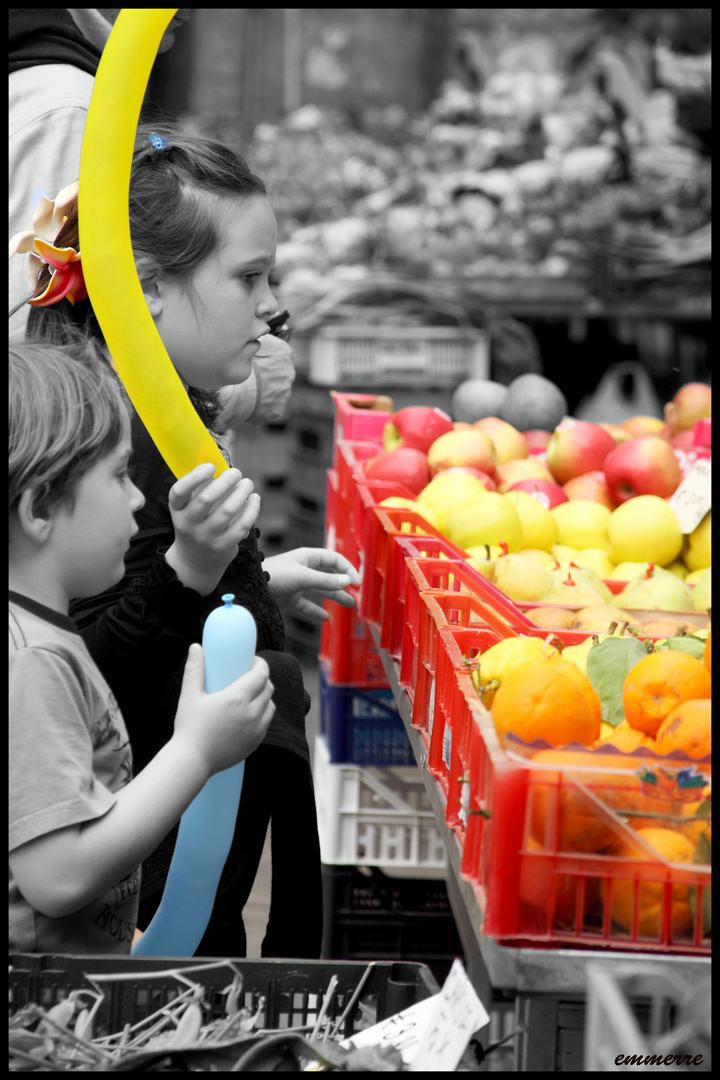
column 38, row 244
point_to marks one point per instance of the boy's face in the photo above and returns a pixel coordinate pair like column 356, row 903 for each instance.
column 91, row 539
column 211, row 329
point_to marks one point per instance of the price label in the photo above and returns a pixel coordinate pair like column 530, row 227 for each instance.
column 693, row 498
column 458, row 1014
column 402, row 1031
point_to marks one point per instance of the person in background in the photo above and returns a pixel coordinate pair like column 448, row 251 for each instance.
column 54, row 55
column 203, row 236
column 80, row 824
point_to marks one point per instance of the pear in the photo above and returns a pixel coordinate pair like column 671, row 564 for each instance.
column 658, row 591
column 701, row 592
column 542, row 558
column 570, row 588
column 521, row 578
column 597, row 619
column 552, row 618
column 483, row 560
column 666, row 626
column 584, row 575
column 628, row 571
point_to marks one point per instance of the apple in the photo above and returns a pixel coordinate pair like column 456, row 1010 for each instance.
column 692, row 402
column 618, row 433
column 525, row 469
column 416, row 427
column 646, row 425
column 591, row 486
column 577, row 447
column 546, row 492
column 509, row 443
column 405, row 466
column 473, row 448
column 486, row 480
column 684, row 440
column 644, row 466
column 536, row 440
column 461, row 425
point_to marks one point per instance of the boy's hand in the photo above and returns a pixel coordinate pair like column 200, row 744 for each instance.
column 224, row 727
column 210, row 518
column 299, row 580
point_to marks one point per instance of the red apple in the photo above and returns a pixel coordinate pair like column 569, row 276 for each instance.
column 464, row 447
column 536, row 440
column 416, row 427
column 531, row 468
column 646, row 425
column 692, row 402
column 487, row 480
column 684, row 440
column 577, row 447
column 546, row 493
column 509, row 443
column 591, row 486
column 645, row 466
column 619, row 434
column 404, row 466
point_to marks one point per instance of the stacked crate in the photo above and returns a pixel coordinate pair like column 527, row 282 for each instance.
column 262, row 454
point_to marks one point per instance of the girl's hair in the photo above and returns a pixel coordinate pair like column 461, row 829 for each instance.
column 176, row 222
column 67, row 410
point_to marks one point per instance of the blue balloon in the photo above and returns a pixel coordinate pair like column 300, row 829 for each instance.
column 208, row 825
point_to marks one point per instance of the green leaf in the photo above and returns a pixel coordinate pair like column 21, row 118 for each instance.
column 703, row 856
column 689, row 644
column 608, row 664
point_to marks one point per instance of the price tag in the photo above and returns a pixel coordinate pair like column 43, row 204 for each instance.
column 693, row 498
column 403, row 1031
column 458, row 1014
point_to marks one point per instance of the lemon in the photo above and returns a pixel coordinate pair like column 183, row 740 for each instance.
column 444, row 493
column 578, row 654
column 698, row 548
column 582, row 524
column 644, row 527
column 501, row 659
column 486, row 518
column 539, row 528
column 694, row 576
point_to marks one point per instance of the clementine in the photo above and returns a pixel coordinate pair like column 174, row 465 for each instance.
column 628, row 739
column 674, row 848
column 567, row 795
column 660, row 682
column 686, row 728
column 706, row 652
column 548, row 699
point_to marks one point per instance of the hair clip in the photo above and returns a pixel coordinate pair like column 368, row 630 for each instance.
column 159, row 142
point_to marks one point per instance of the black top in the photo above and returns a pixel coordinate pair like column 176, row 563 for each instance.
column 49, row 36
column 139, row 631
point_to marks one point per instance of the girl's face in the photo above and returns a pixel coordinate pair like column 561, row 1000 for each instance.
column 211, row 325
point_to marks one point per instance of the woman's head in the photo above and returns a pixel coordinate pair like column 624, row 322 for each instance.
column 66, row 411
column 191, row 207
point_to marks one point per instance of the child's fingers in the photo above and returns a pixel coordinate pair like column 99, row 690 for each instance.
column 182, row 490
column 206, row 499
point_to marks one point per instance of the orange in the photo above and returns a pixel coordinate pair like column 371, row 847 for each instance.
column 580, row 826
column 686, row 728
column 628, row 739
column 706, row 652
column 548, row 699
column 536, row 889
column 673, row 847
column 660, row 682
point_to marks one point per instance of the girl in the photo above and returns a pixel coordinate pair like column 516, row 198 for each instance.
column 204, row 236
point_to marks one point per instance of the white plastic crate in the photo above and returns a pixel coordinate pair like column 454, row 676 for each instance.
column 374, row 356
column 375, row 816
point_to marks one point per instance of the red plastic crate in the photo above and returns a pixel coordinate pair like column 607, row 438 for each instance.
column 331, row 509
column 348, row 649
column 352, row 422
column 531, row 888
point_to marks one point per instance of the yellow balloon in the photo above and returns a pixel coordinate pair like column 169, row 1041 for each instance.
column 114, row 289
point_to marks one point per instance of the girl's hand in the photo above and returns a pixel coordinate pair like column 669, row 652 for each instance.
column 210, row 518
column 224, row 727
column 299, row 580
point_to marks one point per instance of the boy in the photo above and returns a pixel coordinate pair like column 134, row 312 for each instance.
column 80, row 825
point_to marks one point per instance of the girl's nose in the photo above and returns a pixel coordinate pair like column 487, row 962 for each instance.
column 267, row 305
column 137, row 499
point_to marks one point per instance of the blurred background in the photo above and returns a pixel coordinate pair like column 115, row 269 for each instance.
column 535, row 181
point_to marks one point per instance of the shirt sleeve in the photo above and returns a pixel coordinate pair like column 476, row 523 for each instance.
column 51, row 777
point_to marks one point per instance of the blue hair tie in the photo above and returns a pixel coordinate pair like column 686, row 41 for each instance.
column 159, row 142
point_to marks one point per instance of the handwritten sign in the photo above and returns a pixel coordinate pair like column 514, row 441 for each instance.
column 402, row 1031
column 693, row 498
column 458, row 1014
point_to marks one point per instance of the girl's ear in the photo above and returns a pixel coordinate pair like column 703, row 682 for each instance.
column 33, row 526
column 152, row 290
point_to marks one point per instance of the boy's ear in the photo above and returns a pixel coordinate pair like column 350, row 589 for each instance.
column 34, row 526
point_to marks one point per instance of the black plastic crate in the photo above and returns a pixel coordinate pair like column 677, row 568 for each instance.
column 369, row 914
column 291, row 992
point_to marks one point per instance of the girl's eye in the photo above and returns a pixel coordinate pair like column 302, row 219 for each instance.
column 248, row 279
column 124, row 475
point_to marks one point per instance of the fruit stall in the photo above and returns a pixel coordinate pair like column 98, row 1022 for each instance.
column 533, row 635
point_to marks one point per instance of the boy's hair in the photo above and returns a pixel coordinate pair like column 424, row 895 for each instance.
column 66, row 411
column 176, row 221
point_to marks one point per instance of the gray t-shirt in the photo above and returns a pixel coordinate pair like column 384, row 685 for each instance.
column 69, row 755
